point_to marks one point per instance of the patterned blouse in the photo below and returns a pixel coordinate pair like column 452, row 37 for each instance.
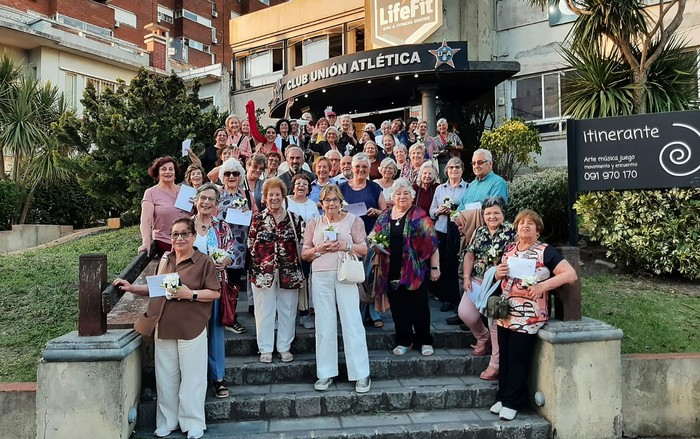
column 488, row 248
column 524, row 314
column 239, row 233
column 420, row 242
column 273, row 247
column 441, row 144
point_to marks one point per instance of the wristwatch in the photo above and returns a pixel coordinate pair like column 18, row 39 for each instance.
column 194, row 295
column 317, row 255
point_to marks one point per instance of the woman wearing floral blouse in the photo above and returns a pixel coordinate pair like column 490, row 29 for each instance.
column 275, row 273
column 485, row 249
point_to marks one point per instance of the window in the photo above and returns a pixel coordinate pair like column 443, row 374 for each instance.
column 314, row 50
column 538, row 99
column 262, row 68
column 165, row 14
column 184, row 13
column 124, row 17
column 234, row 14
column 199, row 46
column 100, row 84
column 214, row 40
column 318, row 48
column 70, row 90
column 81, row 25
column 265, row 2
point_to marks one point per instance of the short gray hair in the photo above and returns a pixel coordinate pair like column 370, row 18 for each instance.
column 416, row 146
column 389, row 162
column 401, row 183
column 428, row 164
column 345, row 116
column 331, row 152
column 207, row 186
column 441, row 121
column 328, row 130
column 486, row 153
column 361, row 157
column 292, row 148
column 400, row 146
column 231, row 165
column 455, row 161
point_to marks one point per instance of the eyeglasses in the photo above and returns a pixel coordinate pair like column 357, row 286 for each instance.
column 331, row 200
column 184, row 235
column 458, row 167
column 205, row 198
column 232, row 174
column 479, row 162
column 301, row 184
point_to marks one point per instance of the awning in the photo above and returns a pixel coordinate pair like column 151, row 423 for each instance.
column 388, row 78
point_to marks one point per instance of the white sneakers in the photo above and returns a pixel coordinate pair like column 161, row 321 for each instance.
column 362, row 386
column 323, row 384
column 195, row 433
column 504, row 413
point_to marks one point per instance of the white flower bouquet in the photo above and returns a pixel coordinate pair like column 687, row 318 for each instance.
column 171, row 283
column 529, row 281
column 449, row 203
column 217, row 254
column 238, row 203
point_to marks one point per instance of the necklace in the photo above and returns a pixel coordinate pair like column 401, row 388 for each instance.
column 202, row 226
column 398, row 220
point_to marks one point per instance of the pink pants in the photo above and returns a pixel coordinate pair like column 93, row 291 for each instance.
column 470, row 316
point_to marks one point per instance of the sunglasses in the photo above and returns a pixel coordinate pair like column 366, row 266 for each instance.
column 479, row 162
column 184, row 235
column 232, row 174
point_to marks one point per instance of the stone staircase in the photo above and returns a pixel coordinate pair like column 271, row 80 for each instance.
column 412, row 396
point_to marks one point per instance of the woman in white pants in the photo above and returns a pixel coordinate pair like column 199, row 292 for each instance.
column 275, row 271
column 326, row 237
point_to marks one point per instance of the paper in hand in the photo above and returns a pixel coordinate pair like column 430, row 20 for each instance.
column 183, row 201
column 357, row 209
column 521, row 268
column 186, row 146
column 237, row 216
column 154, row 285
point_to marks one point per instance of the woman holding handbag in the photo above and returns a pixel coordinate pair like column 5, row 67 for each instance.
column 275, row 272
column 326, row 236
column 213, row 238
column 180, row 327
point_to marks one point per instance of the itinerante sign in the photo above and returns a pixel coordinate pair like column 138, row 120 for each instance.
column 410, row 59
column 649, row 151
column 394, row 23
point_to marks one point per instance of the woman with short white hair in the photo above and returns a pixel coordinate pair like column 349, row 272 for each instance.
column 425, row 186
column 347, row 140
column 447, row 145
column 389, row 170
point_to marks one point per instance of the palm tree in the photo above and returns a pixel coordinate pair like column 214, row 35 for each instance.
column 624, row 37
column 28, row 110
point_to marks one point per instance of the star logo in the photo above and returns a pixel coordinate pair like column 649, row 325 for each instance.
column 444, row 55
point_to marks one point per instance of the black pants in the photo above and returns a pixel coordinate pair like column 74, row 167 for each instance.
column 410, row 312
column 446, row 289
column 234, row 279
column 515, row 363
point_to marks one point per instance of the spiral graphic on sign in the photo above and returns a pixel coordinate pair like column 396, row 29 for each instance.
column 679, row 154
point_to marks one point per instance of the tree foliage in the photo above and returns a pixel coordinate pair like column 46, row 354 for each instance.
column 512, row 145
column 122, row 131
column 627, row 38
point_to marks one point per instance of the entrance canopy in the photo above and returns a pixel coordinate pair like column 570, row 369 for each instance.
column 388, row 78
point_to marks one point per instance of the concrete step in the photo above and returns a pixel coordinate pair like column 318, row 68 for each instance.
column 247, row 370
column 443, row 424
column 278, row 401
column 377, row 339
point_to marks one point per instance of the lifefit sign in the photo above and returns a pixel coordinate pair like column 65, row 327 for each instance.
column 393, row 23
column 649, row 151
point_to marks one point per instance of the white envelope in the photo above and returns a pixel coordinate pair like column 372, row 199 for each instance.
column 186, row 146
column 472, row 206
column 521, row 268
column 237, row 216
column 154, row 288
column 184, row 196
column 357, row 209
column 330, row 235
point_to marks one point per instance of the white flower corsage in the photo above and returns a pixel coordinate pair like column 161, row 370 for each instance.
column 238, row 203
column 217, row 254
column 171, row 282
column 529, row 281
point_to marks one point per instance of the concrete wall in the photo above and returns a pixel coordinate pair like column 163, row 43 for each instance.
column 661, row 394
column 18, row 408
column 30, row 235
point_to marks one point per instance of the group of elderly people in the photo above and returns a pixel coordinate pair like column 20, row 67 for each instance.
column 286, row 231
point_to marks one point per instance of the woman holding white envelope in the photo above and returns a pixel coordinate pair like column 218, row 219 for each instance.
column 180, row 326
column 525, row 290
column 235, row 202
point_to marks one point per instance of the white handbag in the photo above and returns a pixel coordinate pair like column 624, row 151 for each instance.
column 350, row 269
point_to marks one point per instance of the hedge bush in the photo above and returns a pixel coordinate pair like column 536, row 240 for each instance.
column 11, row 198
column 546, row 193
column 66, row 204
column 656, row 230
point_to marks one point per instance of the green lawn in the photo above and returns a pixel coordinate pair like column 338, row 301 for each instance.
column 653, row 315
column 39, row 296
column 39, row 301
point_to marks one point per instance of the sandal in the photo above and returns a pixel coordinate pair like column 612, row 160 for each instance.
column 237, row 328
column 287, row 357
column 266, row 357
column 220, row 390
column 490, row 374
column 378, row 323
